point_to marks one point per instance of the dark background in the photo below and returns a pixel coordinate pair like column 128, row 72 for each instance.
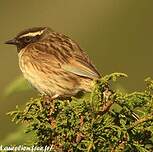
column 117, row 35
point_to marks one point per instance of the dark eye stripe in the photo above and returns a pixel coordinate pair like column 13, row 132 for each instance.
column 27, row 39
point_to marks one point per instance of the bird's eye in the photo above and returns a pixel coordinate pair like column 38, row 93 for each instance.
column 27, row 39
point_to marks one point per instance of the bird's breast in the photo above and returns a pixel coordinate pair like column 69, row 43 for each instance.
column 30, row 71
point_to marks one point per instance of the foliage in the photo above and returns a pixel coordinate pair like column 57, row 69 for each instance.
column 103, row 120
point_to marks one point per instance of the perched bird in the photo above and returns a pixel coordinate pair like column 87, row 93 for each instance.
column 53, row 63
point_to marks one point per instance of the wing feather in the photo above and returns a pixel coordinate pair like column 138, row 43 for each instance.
column 81, row 68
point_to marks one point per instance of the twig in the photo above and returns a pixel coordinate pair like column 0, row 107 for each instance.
column 141, row 120
column 106, row 100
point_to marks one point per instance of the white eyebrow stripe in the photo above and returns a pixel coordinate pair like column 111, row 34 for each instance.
column 32, row 33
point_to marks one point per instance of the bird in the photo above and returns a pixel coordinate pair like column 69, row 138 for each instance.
column 53, row 63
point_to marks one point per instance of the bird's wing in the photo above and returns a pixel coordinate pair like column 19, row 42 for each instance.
column 78, row 61
column 70, row 57
column 81, row 67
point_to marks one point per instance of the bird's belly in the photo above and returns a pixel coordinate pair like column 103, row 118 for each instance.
column 50, row 84
column 38, row 82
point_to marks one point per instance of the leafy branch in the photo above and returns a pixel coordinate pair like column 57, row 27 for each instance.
column 103, row 120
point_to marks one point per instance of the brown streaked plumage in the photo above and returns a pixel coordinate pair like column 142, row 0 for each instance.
column 53, row 63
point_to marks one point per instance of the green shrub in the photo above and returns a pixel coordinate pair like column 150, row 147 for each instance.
column 104, row 120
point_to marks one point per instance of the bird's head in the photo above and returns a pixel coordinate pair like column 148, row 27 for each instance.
column 29, row 36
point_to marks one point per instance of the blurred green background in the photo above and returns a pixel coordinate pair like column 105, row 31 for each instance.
column 117, row 35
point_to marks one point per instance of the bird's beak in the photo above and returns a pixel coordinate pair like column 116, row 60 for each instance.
column 12, row 41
